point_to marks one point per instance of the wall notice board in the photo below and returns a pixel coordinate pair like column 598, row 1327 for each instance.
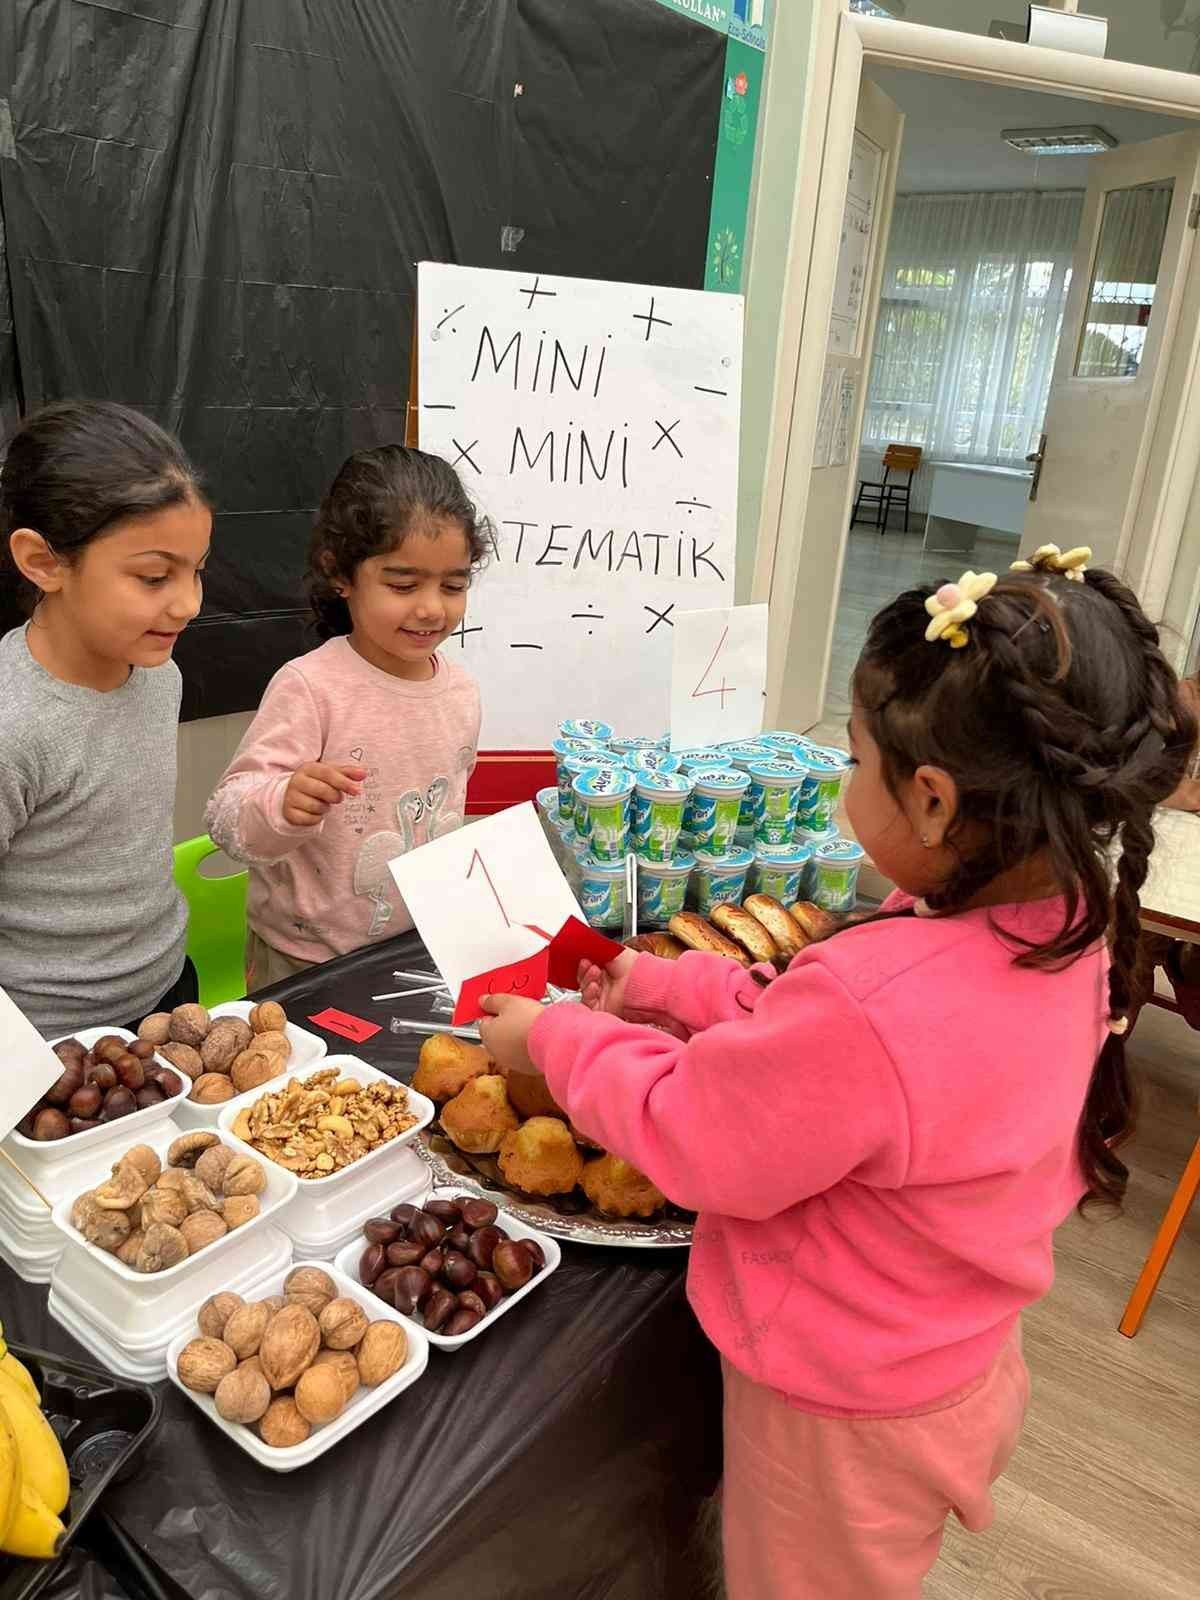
column 596, row 425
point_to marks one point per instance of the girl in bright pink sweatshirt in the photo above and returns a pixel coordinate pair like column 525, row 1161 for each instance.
column 881, row 1141
column 361, row 750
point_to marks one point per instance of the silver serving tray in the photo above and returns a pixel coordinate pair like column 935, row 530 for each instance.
column 668, row 1233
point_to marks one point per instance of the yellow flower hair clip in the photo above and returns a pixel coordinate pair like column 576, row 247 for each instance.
column 954, row 604
column 1070, row 564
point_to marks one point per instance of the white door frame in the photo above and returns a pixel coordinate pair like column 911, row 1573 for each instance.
column 843, row 43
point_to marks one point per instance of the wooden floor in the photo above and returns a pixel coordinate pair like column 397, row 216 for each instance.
column 1102, row 1500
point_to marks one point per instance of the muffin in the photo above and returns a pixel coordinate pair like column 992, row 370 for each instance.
column 541, row 1157
column 478, row 1119
column 619, row 1190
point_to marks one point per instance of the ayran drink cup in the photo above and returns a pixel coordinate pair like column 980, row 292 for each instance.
column 634, row 744
column 578, row 750
column 775, row 793
column 654, row 761
column 782, row 872
column 695, row 760
column 659, row 799
column 713, row 813
column 744, row 756
column 662, row 889
column 836, row 865
column 601, row 810
column 585, row 728
column 720, row 880
column 793, row 744
column 602, row 892
column 826, row 769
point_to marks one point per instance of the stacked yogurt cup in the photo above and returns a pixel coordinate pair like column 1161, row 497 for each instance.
column 707, row 825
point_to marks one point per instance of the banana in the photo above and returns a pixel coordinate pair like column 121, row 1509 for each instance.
column 11, row 1476
column 19, row 1373
column 42, row 1460
column 34, row 1530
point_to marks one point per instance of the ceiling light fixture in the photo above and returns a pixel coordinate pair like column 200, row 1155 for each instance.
column 1081, row 141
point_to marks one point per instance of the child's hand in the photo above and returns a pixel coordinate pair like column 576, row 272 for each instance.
column 603, row 988
column 315, row 787
column 506, row 1039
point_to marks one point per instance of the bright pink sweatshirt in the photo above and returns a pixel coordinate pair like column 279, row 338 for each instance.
column 320, row 892
column 880, row 1144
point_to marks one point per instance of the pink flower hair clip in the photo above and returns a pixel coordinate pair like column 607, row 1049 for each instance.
column 954, row 604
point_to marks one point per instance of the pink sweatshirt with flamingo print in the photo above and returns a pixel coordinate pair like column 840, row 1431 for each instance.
column 879, row 1144
column 320, row 892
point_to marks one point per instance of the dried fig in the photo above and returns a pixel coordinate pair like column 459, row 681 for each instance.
column 282, row 1425
column 82, row 1207
column 320, row 1394
column 245, row 1328
column 211, row 1088
column 124, row 1189
column 163, row 1205
column 242, row 1395
column 291, row 1340
column 108, row 1230
column 202, row 1228
column 162, row 1247
column 189, row 1025
column 156, row 1027
column 343, row 1363
column 381, row 1353
column 175, row 1178
column 131, row 1249
column 268, row 1017
column 244, row 1175
column 254, row 1068
column 310, row 1287
column 183, row 1056
column 343, row 1323
column 203, row 1363
column 216, row 1312
column 189, row 1147
column 210, row 1168
column 198, row 1196
column 239, row 1209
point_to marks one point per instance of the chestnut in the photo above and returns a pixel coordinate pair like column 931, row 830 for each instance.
column 149, row 1095
column 433, row 1261
column 479, row 1213
column 446, row 1211
column 425, row 1229
column 413, row 1288
column 85, row 1102
column 83, row 1124
column 141, row 1048
column 483, row 1244
column 459, row 1238
column 110, row 1049
column 462, row 1322
column 68, row 1083
column 129, row 1071
column 118, row 1102
column 470, row 1301
column 385, row 1284
column 536, row 1254
column 404, row 1253
column 381, row 1230
column 458, row 1271
column 440, row 1305
column 169, row 1082
column 50, row 1124
column 70, row 1052
column 102, row 1075
column 404, row 1214
column 512, row 1264
column 25, row 1126
column 489, row 1289
column 371, row 1264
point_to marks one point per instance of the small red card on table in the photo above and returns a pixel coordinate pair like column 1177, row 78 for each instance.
column 356, row 1029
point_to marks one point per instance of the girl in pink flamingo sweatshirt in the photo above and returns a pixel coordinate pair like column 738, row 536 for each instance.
column 881, row 1141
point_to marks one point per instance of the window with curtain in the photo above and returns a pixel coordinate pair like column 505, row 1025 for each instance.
column 973, row 294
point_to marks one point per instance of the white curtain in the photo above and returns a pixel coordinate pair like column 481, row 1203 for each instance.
column 973, row 295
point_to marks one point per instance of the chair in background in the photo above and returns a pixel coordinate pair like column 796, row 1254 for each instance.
column 902, row 459
column 216, row 922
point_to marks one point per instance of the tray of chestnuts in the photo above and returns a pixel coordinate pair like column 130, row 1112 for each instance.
column 454, row 1264
column 108, row 1075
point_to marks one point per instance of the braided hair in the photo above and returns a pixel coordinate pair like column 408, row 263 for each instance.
column 1062, row 726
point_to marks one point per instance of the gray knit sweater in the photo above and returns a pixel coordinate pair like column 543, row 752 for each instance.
column 92, row 927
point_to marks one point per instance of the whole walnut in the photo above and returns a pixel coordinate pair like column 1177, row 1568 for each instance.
column 189, row 1025
column 162, row 1247
column 245, row 1328
column 275, row 1301
column 343, row 1363
column 242, row 1395
column 268, row 1017
column 282, row 1425
column 273, row 1043
column 184, row 1056
column 320, row 1394
column 310, row 1287
column 343, row 1323
column 291, row 1340
column 216, row 1312
column 239, row 1209
column 163, row 1205
column 382, row 1351
column 253, row 1068
column 202, row 1228
column 227, row 1038
column 211, row 1088
column 251, row 1364
column 203, row 1363
column 155, row 1028
column 244, row 1175
column 210, row 1168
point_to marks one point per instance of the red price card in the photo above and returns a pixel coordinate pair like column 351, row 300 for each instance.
column 356, row 1029
column 525, row 978
column 576, row 942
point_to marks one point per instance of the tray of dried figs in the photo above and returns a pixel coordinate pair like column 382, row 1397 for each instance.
column 505, row 1139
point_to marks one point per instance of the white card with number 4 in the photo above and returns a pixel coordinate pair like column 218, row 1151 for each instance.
column 718, row 675
column 476, row 894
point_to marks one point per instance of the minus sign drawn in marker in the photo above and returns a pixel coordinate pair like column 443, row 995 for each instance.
column 525, row 647
column 702, row 504
column 587, row 616
column 700, row 389
column 429, row 406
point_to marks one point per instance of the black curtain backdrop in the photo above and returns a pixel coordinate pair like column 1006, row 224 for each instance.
column 212, row 210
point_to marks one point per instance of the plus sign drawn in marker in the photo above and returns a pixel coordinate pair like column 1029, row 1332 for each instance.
column 460, row 633
column 650, row 319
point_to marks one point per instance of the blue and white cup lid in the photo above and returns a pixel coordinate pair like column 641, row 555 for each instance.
column 739, row 859
column 604, row 783
column 845, row 851
column 720, row 780
column 584, row 728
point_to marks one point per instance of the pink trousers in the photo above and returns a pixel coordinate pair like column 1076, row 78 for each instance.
column 832, row 1508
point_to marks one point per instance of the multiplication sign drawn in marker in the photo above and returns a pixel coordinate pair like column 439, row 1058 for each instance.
column 699, row 691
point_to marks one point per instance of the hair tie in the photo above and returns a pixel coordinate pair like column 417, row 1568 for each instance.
column 954, row 604
column 1070, row 564
column 1118, row 1025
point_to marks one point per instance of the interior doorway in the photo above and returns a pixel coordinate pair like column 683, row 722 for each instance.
column 973, row 288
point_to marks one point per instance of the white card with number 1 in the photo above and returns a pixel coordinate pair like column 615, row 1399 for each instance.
column 473, row 894
column 718, row 675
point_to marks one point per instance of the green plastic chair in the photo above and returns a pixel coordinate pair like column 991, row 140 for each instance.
column 216, row 922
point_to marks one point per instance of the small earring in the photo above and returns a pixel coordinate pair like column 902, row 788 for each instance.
column 925, row 840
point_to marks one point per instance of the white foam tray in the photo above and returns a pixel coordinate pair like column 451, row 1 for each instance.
column 144, row 1369
column 320, row 1225
column 280, row 1190
column 31, row 1262
column 346, row 1067
column 364, row 1404
column 348, row 1259
column 65, row 1179
column 308, row 1049
column 40, row 1155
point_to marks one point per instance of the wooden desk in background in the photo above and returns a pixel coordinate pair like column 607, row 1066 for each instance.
column 1171, row 893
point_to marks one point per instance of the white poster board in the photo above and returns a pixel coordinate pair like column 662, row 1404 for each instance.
column 29, row 1068
column 718, row 676
column 854, row 256
column 596, row 425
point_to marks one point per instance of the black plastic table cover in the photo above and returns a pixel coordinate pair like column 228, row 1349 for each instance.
column 564, row 1456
